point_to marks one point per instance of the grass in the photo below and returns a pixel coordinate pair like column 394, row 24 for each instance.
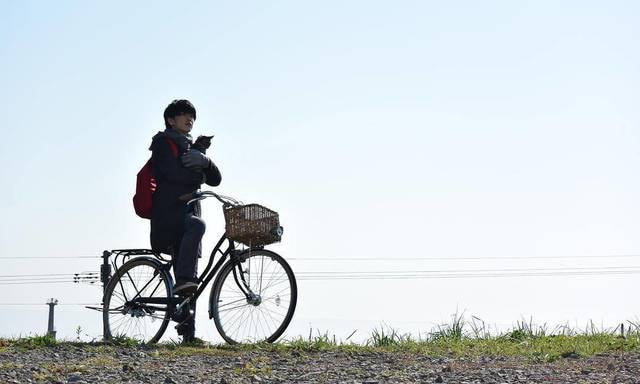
column 387, row 337
column 470, row 338
column 258, row 366
column 30, row 342
column 124, row 341
column 458, row 337
column 8, row 366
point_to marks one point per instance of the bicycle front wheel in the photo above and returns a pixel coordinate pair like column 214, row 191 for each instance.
column 123, row 315
column 253, row 299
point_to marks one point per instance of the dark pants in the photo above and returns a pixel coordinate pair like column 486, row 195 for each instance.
column 185, row 266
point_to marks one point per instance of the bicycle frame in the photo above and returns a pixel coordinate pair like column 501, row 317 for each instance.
column 208, row 274
column 170, row 307
column 204, row 279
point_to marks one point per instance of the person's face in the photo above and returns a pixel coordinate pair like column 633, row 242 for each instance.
column 182, row 123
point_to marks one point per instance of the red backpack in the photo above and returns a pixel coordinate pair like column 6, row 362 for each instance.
column 146, row 185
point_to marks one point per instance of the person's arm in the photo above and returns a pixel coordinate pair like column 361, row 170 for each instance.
column 213, row 175
column 166, row 166
column 198, row 161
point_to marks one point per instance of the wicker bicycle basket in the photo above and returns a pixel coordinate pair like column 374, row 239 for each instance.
column 252, row 224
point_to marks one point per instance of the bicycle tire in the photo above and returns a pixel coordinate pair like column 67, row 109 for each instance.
column 131, row 322
column 250, row 322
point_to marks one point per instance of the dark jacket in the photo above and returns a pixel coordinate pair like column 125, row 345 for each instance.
column 173, row 180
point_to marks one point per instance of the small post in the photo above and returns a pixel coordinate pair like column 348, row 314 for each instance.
column 50, row 329
column 622, row 330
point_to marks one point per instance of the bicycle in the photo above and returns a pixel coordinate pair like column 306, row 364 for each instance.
column 252, row 299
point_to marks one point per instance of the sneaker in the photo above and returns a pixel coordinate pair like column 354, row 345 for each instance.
column 185, row 289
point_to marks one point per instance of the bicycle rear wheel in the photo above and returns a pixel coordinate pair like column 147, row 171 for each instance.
column 253, row 300
column 123, row 317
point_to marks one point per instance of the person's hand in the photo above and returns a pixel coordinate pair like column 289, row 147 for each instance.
column 194, row 159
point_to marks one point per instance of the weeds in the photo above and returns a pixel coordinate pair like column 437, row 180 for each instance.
column 459, row 337
column 453, row 331
column 124, row 341
column 479, row 328
column 380, row 338
column 36, row 341
column 259, row 366
column 8, row 366
column 318, row 342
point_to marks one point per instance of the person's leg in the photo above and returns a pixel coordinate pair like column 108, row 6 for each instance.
column 186, row 270
column 190, row 249
column 175, row 256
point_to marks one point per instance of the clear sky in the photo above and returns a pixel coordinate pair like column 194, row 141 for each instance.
column 381, row 130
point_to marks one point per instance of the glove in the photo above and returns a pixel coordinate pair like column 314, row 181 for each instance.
column 195, row 160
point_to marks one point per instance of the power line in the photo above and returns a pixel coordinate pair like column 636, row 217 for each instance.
column 74, row 278
column 43, row 282
column 419, row 276
column 83, row 277
column 38, row 304
column 36, row 275
column 48, row 280
column 89, row 276
column 42, row 278
column 18, row 277
column 456, row 272
column 391, row 259
column 37, row 282
column 93, row 277
column 470, row 270
column 50, row 274
column 374, row 258
column 458, row 276
column 47, row 257
column 18, row 311
column 468, row 273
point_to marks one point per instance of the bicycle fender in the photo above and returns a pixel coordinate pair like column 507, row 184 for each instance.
column 241, row 256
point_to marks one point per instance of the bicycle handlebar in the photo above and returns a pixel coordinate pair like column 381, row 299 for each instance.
column 201, row 195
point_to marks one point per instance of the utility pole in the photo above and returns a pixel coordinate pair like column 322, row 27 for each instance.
column 51, row 303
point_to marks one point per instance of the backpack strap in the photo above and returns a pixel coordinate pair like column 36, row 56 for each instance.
column 173, row 146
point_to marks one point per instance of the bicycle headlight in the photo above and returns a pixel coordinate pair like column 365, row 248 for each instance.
column 278, row 231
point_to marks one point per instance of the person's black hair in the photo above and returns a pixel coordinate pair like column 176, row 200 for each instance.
column 177, row 108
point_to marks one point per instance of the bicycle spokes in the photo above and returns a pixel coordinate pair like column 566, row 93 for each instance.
column 254, row 304
column 136, row 303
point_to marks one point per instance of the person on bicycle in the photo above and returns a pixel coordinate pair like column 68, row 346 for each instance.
column 176, row 228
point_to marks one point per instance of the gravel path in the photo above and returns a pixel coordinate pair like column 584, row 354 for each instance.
column 90, row 364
